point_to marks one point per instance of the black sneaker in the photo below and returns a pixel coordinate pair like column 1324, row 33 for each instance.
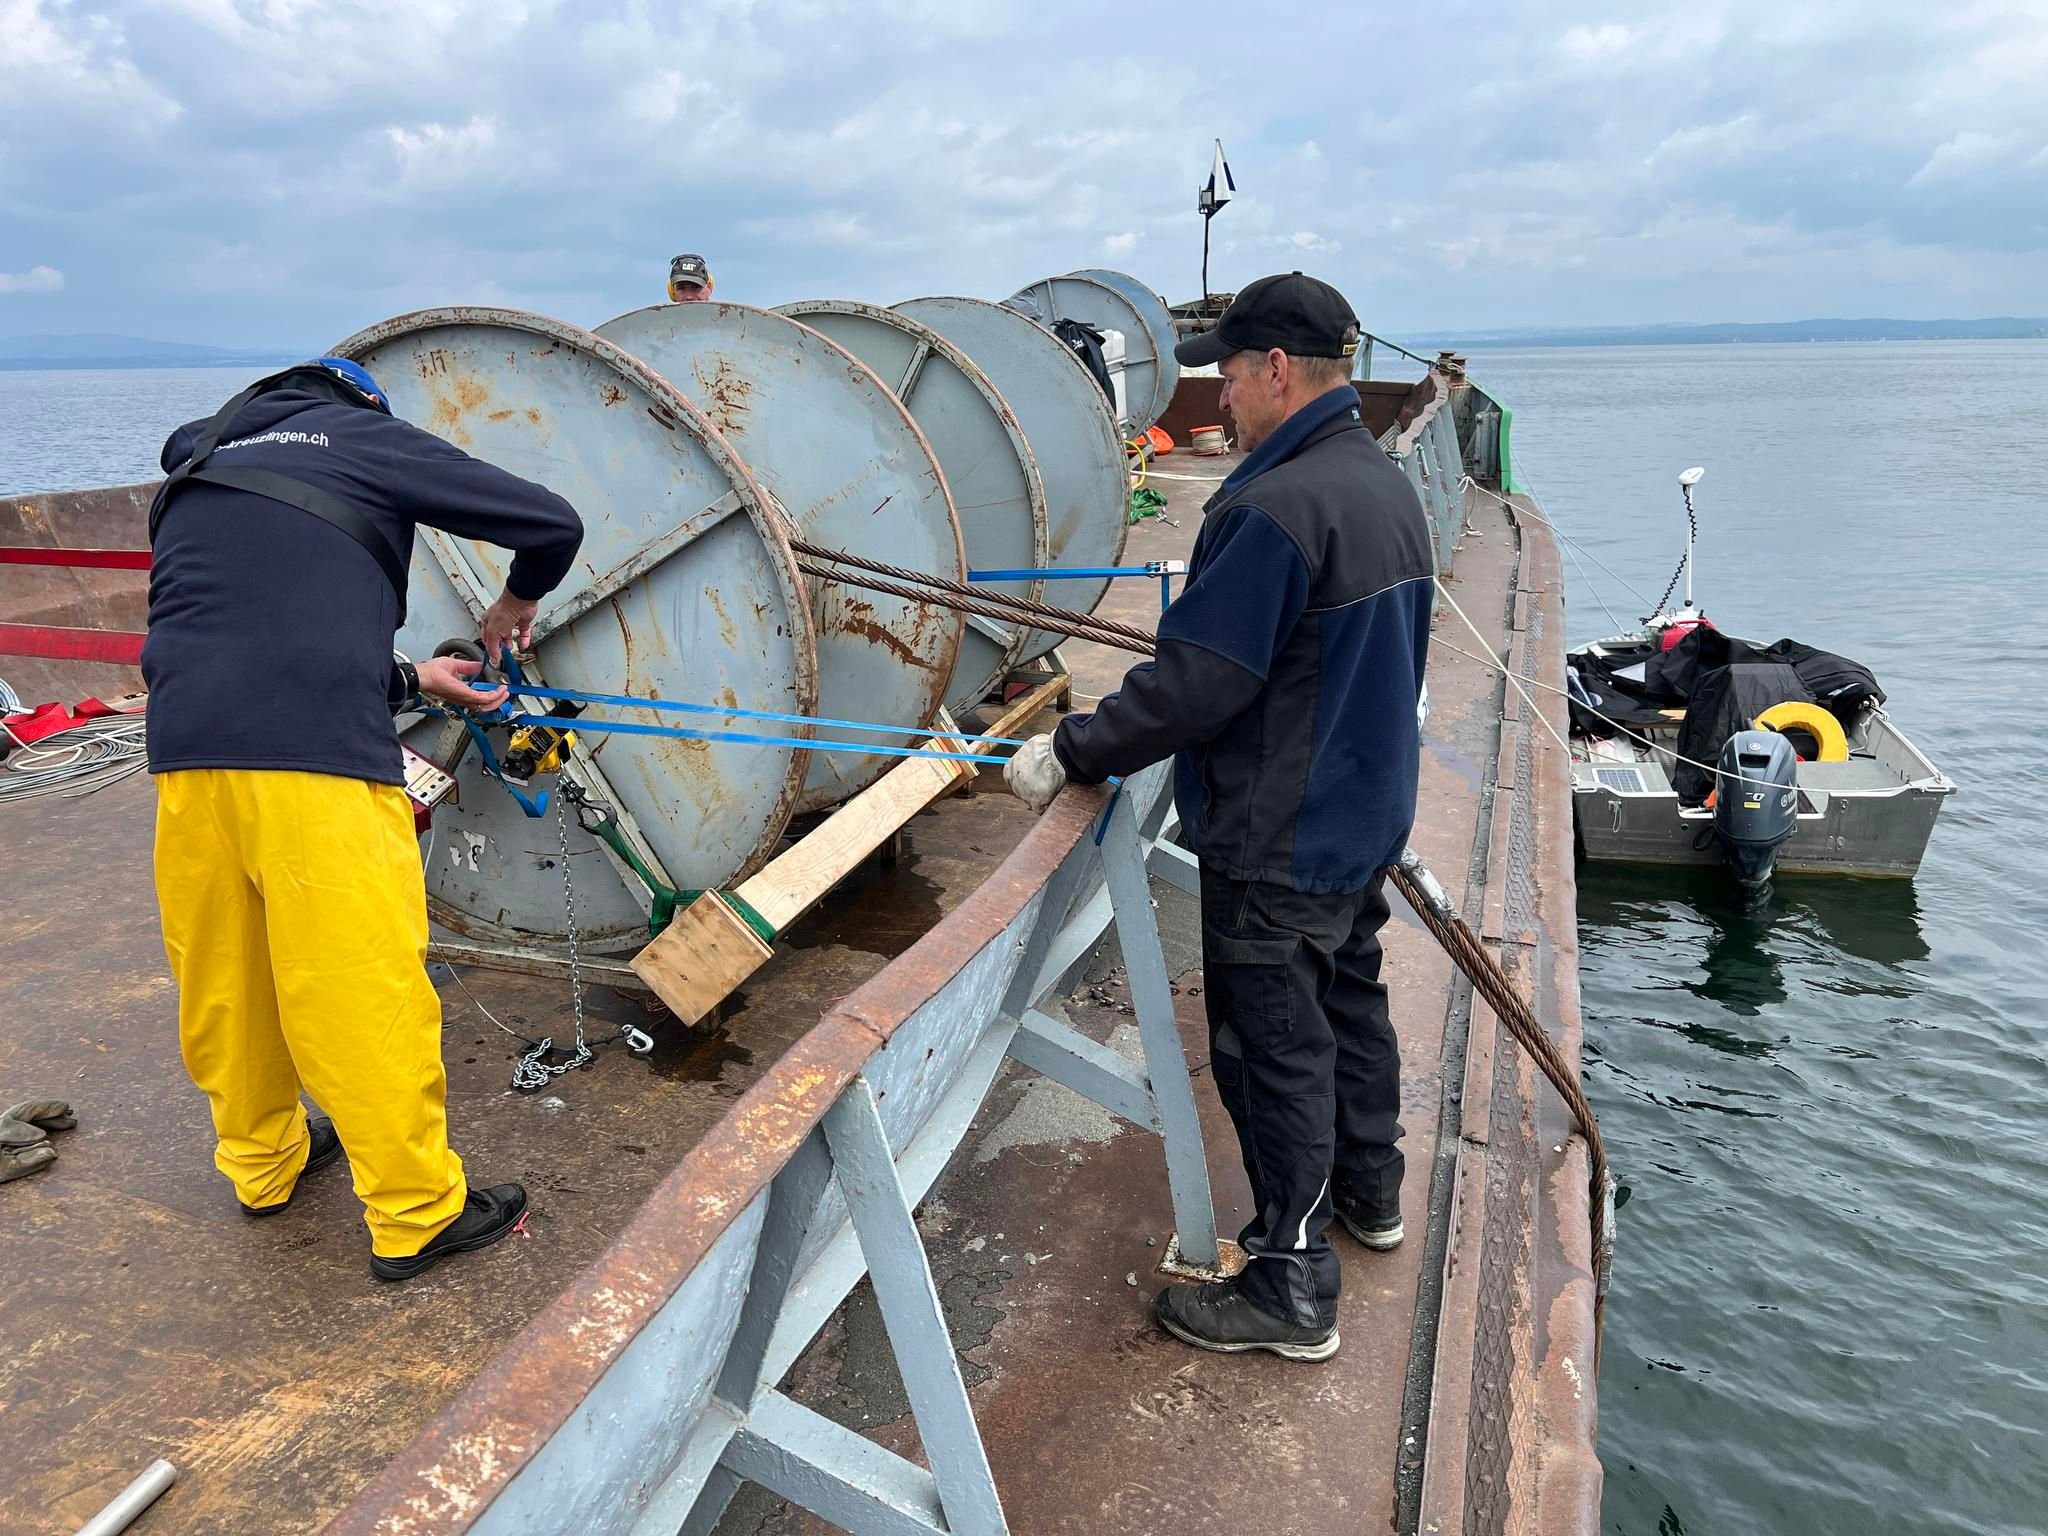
column 487, row 1215
column 1219, row 1316
column 1377, row 1229
column 325, row 1148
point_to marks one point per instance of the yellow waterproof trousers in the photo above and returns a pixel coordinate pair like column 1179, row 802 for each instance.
column 295, row 919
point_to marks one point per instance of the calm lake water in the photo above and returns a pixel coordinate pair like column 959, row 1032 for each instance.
column 1830, row 1307
column 1830, row 1311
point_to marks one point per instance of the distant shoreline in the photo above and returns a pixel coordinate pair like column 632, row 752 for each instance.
column 138, row 364
column 1790, row 331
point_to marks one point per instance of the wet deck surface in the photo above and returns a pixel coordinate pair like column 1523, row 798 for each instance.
column 145, row 1316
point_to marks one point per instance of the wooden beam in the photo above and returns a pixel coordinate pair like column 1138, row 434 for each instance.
column 709, row 951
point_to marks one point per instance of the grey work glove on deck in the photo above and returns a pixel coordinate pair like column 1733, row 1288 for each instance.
column 25, row 1136
column 1034, row 773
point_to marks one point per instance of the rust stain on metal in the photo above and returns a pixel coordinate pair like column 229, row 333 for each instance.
column 504, row 415
column 663, row 417
column 858, row 617
column 533, row 416
column 726, row 629
column 626, row 637
column 726, row 395
column 611, row 394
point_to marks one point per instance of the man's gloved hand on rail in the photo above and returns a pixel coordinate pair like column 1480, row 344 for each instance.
column 1034, row 773
column 24, row 1136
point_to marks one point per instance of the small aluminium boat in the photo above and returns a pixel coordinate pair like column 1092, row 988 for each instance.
column 1692, row 746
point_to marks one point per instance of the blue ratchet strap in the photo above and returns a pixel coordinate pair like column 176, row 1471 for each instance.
column 515, row 680
column 631, row 701
column 1165, row 570
column 749, row 738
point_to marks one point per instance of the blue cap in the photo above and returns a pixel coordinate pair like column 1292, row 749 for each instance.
column 356, row 374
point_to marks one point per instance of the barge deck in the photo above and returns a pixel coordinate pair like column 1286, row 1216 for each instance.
column 147, row 1317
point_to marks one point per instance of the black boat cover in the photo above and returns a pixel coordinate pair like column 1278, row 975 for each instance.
column 1720, row 682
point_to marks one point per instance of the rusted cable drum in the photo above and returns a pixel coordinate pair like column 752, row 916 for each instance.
column 998, row 494
column 1060, row 408
column 680, row 546
column 1116, row 301
column 849, row 468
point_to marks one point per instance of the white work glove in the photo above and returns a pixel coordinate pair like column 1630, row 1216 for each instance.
column 1034, row 773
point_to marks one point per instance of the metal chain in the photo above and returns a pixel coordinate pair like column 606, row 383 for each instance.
column 534, row 1070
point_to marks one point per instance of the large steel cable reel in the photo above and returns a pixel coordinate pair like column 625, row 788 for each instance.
column 1067, row 422
column 845, row 463
column 684, row 588
column 1116, row 301
column 998, row 494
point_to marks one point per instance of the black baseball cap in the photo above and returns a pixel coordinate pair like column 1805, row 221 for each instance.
column 1300, row 315
column 691, row 269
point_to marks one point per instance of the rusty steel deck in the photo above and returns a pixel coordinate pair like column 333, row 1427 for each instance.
column 146, row 1316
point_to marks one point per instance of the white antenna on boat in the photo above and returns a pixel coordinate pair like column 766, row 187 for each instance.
column 1686, row 482
column 1218, row 190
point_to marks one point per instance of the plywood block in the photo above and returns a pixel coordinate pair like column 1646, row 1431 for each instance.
column 709, row 951
column 698, row 961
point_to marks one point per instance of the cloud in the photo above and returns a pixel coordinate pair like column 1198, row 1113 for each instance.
column 283, row 173
column 436, row 153
column 1603, row 44
column 1967, row 154
column 34, row 280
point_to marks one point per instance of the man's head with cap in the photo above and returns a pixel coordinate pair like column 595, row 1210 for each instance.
column 1284, row 341
column 689, row 279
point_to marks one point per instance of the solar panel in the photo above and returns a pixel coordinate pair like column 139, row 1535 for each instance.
column 1622, row 780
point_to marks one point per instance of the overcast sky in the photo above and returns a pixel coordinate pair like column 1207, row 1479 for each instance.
column 282, row 172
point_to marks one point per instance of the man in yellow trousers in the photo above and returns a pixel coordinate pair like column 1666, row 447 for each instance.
column 287, row 870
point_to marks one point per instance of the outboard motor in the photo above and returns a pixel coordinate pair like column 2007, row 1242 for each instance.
column 1756, row 803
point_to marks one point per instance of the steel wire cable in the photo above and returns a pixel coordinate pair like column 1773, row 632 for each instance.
column 1056, row 621
column 1026, row 605
column 77, row 761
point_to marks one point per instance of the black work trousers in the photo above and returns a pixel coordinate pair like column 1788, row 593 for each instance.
column 1307, row 1065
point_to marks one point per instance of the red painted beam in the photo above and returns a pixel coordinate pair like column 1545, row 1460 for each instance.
column 86, row 559
column 54, row 642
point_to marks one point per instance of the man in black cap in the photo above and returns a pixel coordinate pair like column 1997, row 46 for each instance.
column 1285, row 686
column 689, row 280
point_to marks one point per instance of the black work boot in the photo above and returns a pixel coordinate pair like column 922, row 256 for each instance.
column 323, row 1147
column 1375, row 1226
column 487, row 1215
column 1221, row 1317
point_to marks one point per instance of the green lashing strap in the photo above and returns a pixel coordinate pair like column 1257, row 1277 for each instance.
column 668, row 901
column 752, row 918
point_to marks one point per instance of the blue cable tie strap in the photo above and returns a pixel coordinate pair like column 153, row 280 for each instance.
column 630, row 701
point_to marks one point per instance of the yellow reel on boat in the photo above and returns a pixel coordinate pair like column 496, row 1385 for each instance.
column 1830, row 742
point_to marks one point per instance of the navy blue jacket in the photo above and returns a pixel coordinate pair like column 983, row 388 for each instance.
column 1288, row 669
column 270, row 630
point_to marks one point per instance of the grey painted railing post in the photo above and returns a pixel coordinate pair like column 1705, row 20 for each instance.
column 1173, row 1095
column 909, row 1300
